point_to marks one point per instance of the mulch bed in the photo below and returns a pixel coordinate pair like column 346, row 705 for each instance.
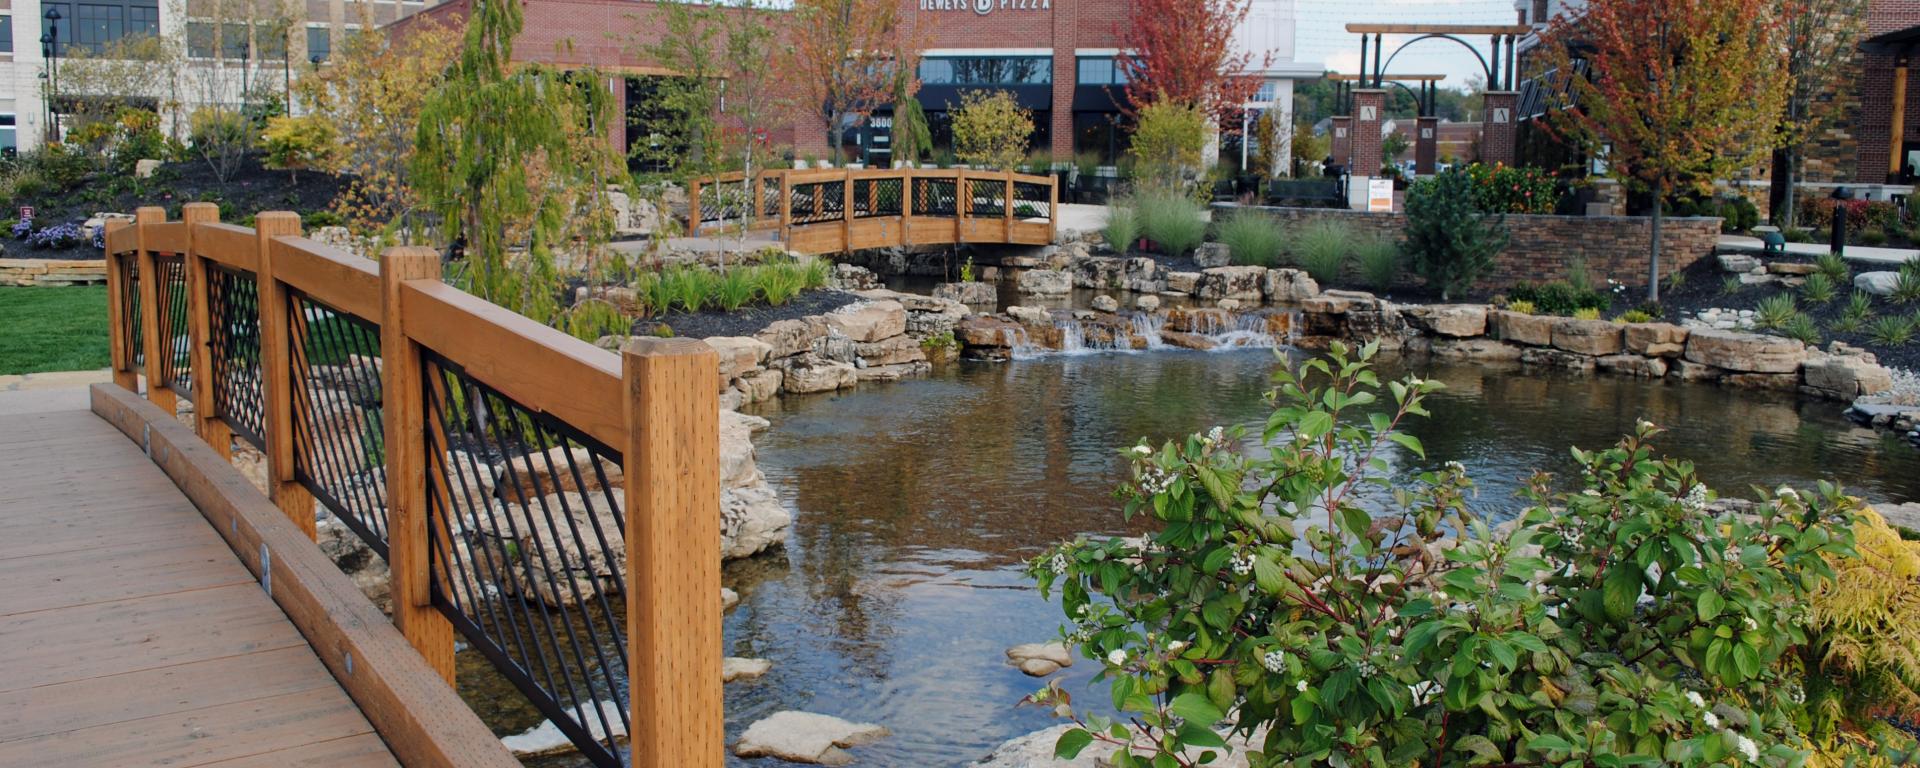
column 745, row 321
column 250, row 189
column 1702, row 288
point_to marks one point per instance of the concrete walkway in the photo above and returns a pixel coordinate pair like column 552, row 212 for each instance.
column 1890, row 257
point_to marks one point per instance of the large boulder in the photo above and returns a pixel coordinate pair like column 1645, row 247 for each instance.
column 1142, row 275
column 989, row 331
column 1105, row 303
column 1210, row 255
column 1633, row 365
column 1477, row 349
column 791, row 337
column 1455, row 320
column 1738, row 263
column 1586, row 337
column 1876, row 283
column 739, row 355
column 1744, row 352
column 805, row 737
column 807, row 373
column 892, row 351
column 1520, row 328
column 1654, row 339
column 966, row 293
column 1288, row 285
column 1557, row 358
column 1099, row 272
column 1182, row 282
column 1239, row 283
column 1045, row 282
column 1843, row 377
column 867, row 321
column 752, row 518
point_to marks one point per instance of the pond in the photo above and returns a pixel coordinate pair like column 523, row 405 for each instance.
column 900, row 587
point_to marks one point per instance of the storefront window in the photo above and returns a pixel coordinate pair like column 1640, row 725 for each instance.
column 1101, row 70
column 1101, row 134
column 986, row 70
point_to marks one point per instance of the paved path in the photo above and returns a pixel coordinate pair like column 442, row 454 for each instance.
column 1856, row 253
column 129, row 633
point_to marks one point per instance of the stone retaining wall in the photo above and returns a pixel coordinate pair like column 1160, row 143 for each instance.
column 50, row 272
column 1543, row 247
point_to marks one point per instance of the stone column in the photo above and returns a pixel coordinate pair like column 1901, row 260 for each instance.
column 1497, row 132
column 1426, row 144
column 1369, row 110
column 1339, row 140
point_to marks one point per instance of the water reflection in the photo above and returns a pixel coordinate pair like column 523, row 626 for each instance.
column 917, row 501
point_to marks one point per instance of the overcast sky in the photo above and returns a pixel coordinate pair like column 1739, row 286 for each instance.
column 1321, row 35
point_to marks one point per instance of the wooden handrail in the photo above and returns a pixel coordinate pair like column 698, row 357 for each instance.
column 655, row 404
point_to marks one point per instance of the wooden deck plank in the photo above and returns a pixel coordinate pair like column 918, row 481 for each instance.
column 199, row 736
column 71, row 706
column 130, row 633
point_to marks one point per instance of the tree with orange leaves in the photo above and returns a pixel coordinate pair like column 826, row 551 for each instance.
column 848, row 58
column 1182, row 51
column 1680, row 92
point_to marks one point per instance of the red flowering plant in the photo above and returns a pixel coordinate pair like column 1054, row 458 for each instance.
column 1500, row 188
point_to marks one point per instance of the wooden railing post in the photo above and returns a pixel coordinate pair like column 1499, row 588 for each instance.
column 962, row 200
column 276, row 369
column 906, row 207
column 672, row 459
column 120, row 354
column 846, row 211
column 1053, row 208
column 693, row 208
column 149, row 287
column 786, row 209
column 404, row 418
column 1006, row 205
column 200, row 333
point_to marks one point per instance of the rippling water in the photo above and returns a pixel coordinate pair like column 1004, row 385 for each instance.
column 899, row 588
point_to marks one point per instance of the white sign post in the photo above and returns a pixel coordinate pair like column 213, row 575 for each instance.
column 1380, row 195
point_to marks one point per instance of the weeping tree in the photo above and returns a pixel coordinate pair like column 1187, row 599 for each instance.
column 513, row 160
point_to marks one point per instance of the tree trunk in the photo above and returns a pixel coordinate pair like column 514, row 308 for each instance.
column 836, row 132
column 1780, row 189
column 1653, row 253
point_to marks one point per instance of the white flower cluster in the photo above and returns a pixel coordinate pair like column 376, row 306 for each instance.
column 1712, row 720
column 1693, row 697
column 1751, row 624
column 1748, row 749
column 1367, row 669
column 1785, row 492
column 1058, row 564
column 1142, row 451
column 1155, row 480
column 1696, row 498
column 1242, row 564
column 1300, row 686
column 1457, row 467
column 1215, row 436
column 1275, row 661
column 1117, row 657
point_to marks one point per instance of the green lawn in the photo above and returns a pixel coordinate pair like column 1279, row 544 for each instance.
column 53, row 329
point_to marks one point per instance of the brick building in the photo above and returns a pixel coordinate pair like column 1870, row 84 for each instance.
column 1055, row 56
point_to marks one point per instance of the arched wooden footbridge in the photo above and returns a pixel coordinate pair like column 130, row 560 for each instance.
column 553, row 505
column 839, row 210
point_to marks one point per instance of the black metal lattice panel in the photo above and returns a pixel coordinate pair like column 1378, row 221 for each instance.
column 1032, row 201
column 816, row 202
column 177, row 368
column 876, row 197
column 987, row 198
column 339, row 442
column 529, row 552
column 130, row 309
column 233, row 314
column 934, row 197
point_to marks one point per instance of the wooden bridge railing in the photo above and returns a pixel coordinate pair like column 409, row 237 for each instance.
column 518, row 481
column 835, row 210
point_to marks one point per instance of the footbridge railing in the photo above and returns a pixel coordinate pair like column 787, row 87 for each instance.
column 555, row 505
column 838, row 210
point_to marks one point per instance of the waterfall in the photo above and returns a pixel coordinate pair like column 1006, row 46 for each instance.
column 1212, row 331
column 1147, row 327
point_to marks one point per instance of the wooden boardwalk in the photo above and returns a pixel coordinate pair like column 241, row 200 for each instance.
column 130, row 635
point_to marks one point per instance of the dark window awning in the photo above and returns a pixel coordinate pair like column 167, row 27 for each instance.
column 1895, row 43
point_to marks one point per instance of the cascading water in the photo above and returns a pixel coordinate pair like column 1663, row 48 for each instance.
column 1140, row 331
column 1146, row 326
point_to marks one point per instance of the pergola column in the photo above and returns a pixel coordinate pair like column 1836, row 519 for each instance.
column 1897, row 126
column 1497, row 133
column 1340, row 139
column 1369, row 110
column 1426, row 144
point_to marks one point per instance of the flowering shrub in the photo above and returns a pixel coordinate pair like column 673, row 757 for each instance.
column 21, row 228
column 1500, row 188
column 1861, row 214
column 1617, row 623
column 59, row 236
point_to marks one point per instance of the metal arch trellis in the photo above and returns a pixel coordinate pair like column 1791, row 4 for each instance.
column 1485, row 68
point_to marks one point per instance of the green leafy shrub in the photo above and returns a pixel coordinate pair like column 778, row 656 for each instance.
column 1449, row 242
column 1731, row 284
column 1796, row 235
column 735, row 288
column 1801, row 328
column 1320, row 248
column 1172, row 221
column 1379, row 260
column 1502, row 188
column 1906, row 283
column 1636, row 316
column 1855, row 315
column 1774, row 311
column 1818, row 289
column 1586, row 313
column 1253, row 238
column 1521, row 306
column 1618, row 622
column 1833, row 266
column 1872, row 237
column 991, row 130
column 300, row 143
column 1891, row 331
column 1560, row 297
column 1123, row 226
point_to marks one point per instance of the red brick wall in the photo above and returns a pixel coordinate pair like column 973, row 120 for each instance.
column 1875, row 113
column 1545, row 247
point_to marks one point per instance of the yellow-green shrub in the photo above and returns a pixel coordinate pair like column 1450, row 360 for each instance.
column 1868, row 623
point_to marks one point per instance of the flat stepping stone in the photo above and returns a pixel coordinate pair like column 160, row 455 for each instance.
column 736, row 668
column 804, row 737
column 1040, row 659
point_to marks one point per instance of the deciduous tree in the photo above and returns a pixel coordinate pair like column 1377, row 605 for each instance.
column 1183, row 51
column 990, row 130
column 511, row 155
column 371, row 92
column 1681, row 92
column 1819, row 36
column 848, row 56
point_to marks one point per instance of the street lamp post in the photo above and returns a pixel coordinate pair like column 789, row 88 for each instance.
column 50, row 46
